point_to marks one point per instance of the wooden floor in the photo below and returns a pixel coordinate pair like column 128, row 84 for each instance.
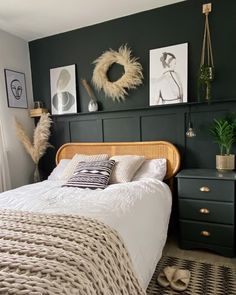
column 172, row 249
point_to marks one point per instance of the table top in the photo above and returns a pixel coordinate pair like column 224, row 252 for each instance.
column 207, row 173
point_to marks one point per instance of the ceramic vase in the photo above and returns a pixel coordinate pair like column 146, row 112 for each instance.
column 92, row 106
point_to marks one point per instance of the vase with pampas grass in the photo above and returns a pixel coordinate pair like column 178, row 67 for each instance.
column 38, row 147
column 93, row 105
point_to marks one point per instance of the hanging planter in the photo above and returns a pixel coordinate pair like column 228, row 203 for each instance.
column 206, row 70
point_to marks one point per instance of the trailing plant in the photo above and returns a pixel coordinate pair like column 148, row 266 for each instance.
column 223, row 132
column 205, row 77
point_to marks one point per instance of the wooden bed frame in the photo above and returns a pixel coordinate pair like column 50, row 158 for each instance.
column 148, row 149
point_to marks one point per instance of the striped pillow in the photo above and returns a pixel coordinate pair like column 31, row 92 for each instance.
column 91, row 175
column 70, row 168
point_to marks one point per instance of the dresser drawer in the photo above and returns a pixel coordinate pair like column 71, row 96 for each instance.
column 208, row 233
column 206, row 189
column 216, row 212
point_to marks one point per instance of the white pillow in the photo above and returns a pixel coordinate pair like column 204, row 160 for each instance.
column 70, row 168
column 58, row 170
column 155, row 168
column 125, row 167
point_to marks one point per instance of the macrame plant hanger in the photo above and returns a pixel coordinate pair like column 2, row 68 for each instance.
column 206, row 72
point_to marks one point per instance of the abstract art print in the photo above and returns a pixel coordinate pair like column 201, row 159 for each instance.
column 16, row 89
column 63, row 90
column 168, row 75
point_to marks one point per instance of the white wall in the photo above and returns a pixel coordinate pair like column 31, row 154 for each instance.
column 14, row 55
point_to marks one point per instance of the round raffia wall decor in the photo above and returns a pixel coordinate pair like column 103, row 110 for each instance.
column 132, row 77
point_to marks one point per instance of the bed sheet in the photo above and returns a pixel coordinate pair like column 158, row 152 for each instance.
column 138, row 210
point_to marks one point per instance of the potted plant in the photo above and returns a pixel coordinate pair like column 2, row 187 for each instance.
column 205, row 78
column 223, row 131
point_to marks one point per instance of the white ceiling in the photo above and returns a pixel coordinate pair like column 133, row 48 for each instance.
column 33, row 19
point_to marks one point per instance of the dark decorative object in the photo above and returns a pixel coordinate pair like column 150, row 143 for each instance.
column 206, row 71
column 36, row 177
column 38, row 104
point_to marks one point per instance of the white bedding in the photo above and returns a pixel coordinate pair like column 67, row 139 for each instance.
column 138, row 210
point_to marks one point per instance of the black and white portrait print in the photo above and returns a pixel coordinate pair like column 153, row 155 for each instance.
column 16, row 89
column 63, row 90
column 168, row 74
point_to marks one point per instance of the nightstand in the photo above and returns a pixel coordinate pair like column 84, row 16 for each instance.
column 206, row 201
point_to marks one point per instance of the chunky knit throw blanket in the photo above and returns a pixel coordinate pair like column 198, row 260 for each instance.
column 62, row 254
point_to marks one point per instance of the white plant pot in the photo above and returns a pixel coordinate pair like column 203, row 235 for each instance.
column 225, row 162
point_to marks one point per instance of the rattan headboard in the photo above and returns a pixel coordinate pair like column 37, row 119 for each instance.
column 149, row 149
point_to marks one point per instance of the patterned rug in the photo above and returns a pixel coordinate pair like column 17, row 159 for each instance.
column 206, row 279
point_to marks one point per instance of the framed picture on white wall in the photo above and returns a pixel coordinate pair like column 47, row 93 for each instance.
column 168, row 74
column 63, row 90
column 16, row 89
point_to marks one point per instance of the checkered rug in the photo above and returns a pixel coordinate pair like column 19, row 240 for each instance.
column 206, row 279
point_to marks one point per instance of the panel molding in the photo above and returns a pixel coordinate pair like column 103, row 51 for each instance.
column 130, row 126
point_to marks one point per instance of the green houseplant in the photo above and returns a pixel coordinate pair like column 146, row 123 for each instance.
column 223, row 132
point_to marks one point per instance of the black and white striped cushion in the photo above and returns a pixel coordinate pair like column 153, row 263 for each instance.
column 91, row 175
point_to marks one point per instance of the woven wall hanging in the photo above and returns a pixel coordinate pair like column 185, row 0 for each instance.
column 131, row 78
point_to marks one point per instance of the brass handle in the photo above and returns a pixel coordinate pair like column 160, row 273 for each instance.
column 204, row 189
column 205, row 233
column 204, row 211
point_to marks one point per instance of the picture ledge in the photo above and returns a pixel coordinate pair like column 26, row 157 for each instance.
column 150, row 107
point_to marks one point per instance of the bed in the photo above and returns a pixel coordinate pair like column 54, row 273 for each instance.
column 138, row 211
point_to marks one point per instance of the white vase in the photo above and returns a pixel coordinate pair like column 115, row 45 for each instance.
column 92, row 106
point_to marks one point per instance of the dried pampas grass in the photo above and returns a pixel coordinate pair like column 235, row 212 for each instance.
column 88, row 89
column 40, row 139
column 130, row 80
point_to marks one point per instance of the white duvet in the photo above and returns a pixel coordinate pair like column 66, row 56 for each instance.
column 138, row 210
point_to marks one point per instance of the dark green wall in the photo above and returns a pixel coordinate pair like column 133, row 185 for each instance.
column 173, row 24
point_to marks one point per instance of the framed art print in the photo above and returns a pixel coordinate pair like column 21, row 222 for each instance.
column 168, row 74
column 16, row 89
column 63, row 90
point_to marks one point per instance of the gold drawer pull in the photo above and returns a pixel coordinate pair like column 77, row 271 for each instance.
column 204, row 189
column 205, row 233
column 204, row 211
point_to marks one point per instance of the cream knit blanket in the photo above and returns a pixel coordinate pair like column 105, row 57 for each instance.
column 62, row 254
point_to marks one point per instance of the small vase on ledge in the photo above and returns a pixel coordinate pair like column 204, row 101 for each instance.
column 37, row 177
column 93, row 105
